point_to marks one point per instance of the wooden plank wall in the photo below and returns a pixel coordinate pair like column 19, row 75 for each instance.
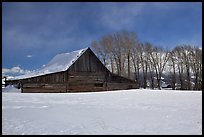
column 86, row 81
column 37, row 88
column 76, row 82
column 55, row 82
column 88, row 62
column 98, row 81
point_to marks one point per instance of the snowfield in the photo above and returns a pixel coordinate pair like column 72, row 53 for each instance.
column 136, row 111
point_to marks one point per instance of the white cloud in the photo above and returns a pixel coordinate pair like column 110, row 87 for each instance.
column 29, row 56
column 117, row 15
column 14, row 71
column 163, row 5
column 126, row 14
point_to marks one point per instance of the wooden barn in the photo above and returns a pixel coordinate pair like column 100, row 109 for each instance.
column 77, row 71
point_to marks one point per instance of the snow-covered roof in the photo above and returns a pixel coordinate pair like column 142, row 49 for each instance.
column 60, row 62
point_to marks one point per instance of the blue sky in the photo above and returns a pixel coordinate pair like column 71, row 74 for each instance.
column 33, row 33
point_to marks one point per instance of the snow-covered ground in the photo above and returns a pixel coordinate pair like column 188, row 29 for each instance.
column 118, row 112
column 10, row 89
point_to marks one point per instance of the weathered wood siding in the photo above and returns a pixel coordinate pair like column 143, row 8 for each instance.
column 88, row 62
column 55, row 82
column 58, row 77
column 97, row 81
column 50, row 88
column 86, row 81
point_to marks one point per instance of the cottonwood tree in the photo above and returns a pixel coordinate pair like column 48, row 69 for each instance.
column 100, row 51
column 172, row 71
column 121, row 45
column 118, row 53
column 103, row 49
column 151, row 73
column 180, row 65
column 136, row 61
column 140, row 61
column 123, row 51
column 117, row 49
column 196, row 65
column 143, row 55
column 107, row 43
column 186, row 58
column 158, row 58
column 129, row 41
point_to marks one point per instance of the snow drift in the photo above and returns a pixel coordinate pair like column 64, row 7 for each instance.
column 11, row 89
column 116, row 112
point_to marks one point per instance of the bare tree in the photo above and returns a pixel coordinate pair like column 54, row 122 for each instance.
column 129, row 41
column 180, row 65
column 123, row 52
column 143, row 55
column 158, row 58
column 172, row 65
column 103, row 49
column 109, row 50
column 100, row 51
column 107, row 43
column 136, row 61
column 151, row 73
column 196, row 63
column 186, row 56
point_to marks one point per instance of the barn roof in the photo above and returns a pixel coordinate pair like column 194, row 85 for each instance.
column 60, row 62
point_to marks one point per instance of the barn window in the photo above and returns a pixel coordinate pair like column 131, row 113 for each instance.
column 98, row 84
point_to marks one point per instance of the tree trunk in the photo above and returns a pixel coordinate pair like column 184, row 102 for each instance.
column 112, row 65
column 196, row 82
column 173, row 82
column 159, row 85
column 152, row 83
column 188, row 79
column 145, row 82
column 128, row 65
